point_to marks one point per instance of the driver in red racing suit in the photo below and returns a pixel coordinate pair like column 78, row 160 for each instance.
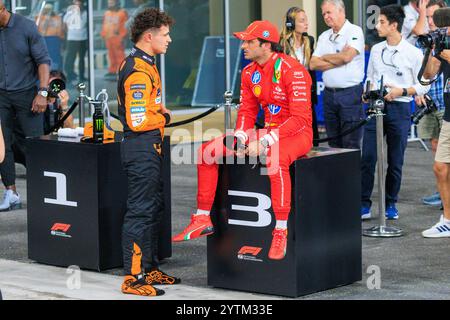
column 282, row 86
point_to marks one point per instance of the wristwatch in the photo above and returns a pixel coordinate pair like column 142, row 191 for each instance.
column 405, row 92
column 43, row 92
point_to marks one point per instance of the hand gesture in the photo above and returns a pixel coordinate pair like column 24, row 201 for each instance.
column 445, row 54
column 255, row 148
column 420, row 100
column 393, row 93
column 64, row 97
column 39, row 104
column 165, row 110
column 423, row 6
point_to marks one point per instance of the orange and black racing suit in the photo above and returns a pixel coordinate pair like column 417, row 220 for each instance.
column 139, row 98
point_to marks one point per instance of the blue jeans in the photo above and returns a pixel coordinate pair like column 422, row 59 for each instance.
column 343, row 110
column 397, row 122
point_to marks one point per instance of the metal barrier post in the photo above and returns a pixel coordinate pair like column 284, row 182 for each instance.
column 381, row 230
column 81, row 88
column 228, row 96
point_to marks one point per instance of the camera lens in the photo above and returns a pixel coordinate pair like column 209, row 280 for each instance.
column 56, row 86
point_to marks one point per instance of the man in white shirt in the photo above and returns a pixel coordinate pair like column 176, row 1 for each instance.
column 399, row 63
column 340, row 55
column 415, row 22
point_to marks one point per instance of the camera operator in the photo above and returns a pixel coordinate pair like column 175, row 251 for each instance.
column 442, row 159
column 57, row 104
column 398, row 62
column 430, row 125
column 415, row 22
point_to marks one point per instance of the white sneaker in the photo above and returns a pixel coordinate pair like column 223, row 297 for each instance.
column 11, row 201
column 439, row 230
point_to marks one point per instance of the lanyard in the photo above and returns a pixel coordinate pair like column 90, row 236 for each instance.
column 399, row 73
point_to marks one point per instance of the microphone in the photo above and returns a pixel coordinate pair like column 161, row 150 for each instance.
column 441, row 17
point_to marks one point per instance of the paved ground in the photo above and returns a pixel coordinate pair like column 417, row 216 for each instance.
column 411, row 267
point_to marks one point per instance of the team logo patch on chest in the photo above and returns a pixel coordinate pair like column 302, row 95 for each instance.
column 137, row 110
column 158, row 98
column 138, row 87
column 256, row 77
column 138, row 95
column 274, row 109
column 257, row 90
column 277, row 71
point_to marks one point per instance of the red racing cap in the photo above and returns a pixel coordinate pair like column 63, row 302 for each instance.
column 261, row 29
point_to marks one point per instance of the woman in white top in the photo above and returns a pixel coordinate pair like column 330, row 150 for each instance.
column 296, row 42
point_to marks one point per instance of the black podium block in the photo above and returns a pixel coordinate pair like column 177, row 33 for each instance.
column 77, row 196
column 324, row 227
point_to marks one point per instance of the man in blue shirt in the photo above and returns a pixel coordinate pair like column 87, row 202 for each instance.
column 24, row 71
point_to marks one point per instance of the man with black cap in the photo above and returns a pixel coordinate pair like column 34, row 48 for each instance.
column 282, row 86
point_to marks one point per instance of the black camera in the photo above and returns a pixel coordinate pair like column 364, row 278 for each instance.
column 375, row 94
column 55, row 87
column 375, row 98
column 428, row 108
column 437, row 39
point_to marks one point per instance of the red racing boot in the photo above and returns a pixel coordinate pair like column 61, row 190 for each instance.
column 200, row 226
column 279, row 242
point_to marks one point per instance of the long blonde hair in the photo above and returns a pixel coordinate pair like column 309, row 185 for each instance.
column 287, row 37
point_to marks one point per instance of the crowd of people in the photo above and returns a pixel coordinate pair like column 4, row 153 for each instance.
column 67, row 32
column 280, row 79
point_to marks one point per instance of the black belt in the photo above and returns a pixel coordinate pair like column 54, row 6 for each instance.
column 334, row 90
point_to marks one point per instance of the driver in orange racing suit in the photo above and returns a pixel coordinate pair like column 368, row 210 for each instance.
column 143, row 116
column 282, row 86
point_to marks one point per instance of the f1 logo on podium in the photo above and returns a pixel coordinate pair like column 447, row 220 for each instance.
column 264, row 203
column 61, row 190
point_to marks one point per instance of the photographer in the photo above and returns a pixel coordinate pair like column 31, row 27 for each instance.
column 415, row 22
column 430, row 126
column 442, row 159
column 398, row 62
column 57, row 104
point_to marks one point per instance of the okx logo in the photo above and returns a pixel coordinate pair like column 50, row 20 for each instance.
column 60, row 230
column 249, row 253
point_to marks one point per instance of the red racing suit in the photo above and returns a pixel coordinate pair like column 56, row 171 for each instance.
column 282, row 86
